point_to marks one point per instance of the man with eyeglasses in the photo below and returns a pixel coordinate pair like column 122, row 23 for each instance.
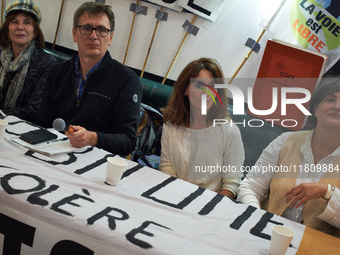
column 96, row 95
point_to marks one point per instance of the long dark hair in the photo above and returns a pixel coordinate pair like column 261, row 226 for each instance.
column 328, row 85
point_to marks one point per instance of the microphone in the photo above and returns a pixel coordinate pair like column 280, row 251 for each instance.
column 60, row 125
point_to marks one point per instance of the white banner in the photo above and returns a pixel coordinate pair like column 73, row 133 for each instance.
column 34, row 237
column 171, row 4
column 207, row 9
column 148, row 212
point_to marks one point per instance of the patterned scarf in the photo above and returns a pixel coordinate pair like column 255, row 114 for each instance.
column 20, row 66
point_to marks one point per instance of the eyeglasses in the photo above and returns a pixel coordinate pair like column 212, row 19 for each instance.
column 100, row 31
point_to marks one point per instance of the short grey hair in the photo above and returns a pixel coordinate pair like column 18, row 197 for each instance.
column 328, row 85
column 94, row 8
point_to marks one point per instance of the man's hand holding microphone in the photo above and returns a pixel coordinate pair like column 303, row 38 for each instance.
column 78, row 136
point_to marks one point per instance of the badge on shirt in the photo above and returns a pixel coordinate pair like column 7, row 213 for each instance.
column 135, row 98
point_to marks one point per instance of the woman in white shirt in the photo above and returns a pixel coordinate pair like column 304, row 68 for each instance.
column 304, row 182
column 193, row 148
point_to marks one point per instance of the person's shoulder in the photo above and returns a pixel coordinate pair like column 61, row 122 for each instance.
column 125, row 69
column 228, row 128
column 168, row 125
column 41, row 52
column 125, row 75
column 290, row 134
column 294, row 137
column 43, row 55
column 64, row 65
column 119, row 67
column 281, row 139
column 298, row 133
column 41, row 59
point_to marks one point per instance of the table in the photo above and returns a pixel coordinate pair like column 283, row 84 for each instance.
column 61, row 203
column 316, row 242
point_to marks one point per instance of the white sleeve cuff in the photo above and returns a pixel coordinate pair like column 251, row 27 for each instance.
column 331, row 214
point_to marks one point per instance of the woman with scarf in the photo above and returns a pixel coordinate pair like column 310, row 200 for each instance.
column 24, row 64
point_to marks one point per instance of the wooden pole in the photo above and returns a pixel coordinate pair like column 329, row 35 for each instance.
column 150, row 46
column 2, row 11
column 246, row 58
column 277, row 9
column 129, row 40
column 57, row 30
column 179, row 49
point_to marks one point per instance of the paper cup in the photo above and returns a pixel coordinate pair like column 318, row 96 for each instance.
column 3, row 125
column 114, row 170
column 280, row 240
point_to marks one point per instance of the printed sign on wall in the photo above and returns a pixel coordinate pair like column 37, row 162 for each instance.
column 171, row 4
column 208, row 9
column 312, row 24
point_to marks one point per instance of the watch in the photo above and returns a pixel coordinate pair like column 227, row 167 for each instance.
column 329, row 192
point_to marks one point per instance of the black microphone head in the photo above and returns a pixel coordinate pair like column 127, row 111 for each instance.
column 59, row 124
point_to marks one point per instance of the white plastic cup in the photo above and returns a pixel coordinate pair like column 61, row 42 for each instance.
column 114, row 170
column 3, row 125
column 280, row 240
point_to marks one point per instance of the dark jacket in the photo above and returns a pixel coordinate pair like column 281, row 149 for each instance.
column 28, row 103
column 110, row 103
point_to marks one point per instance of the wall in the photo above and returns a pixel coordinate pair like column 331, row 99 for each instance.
column 223, row 40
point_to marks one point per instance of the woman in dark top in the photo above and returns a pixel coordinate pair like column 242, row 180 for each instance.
column 24, row 64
